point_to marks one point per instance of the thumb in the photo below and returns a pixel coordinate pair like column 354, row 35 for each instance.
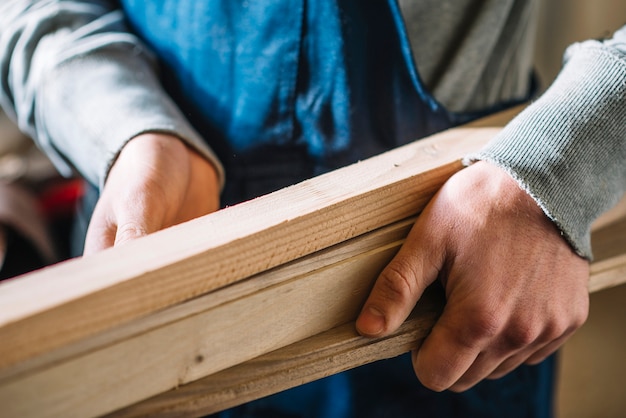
column 99, row 236
column 130, row 230
column 111, row 227
column 101, row 230
column 400, row 286
column 139, row 218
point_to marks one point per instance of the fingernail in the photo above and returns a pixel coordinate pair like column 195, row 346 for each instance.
column 372, row 321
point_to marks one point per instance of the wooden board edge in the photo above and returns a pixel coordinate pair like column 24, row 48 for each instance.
column 322, row 355
column 153, row 286
column 327, row 354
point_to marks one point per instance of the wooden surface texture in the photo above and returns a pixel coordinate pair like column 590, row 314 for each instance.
column 239, row 304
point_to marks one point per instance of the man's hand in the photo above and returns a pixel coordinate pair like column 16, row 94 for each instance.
column 156, row 182
column 515, row 289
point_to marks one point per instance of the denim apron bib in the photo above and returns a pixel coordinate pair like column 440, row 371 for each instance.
column 285, row 90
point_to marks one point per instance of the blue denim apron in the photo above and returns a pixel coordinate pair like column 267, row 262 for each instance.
column 284, row 90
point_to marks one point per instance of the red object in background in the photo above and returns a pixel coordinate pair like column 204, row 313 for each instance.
column 59, row 199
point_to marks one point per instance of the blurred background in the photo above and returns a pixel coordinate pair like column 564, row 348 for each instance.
column 563, row 22
column 592, row 364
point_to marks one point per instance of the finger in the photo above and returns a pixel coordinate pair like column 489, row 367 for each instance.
column 99, row 239
column 400, row 285
column 100, row 232
column 546, row 351
column 446, row 354
column 139, row 218
column 107, row 229
column 482, row 367
column 116, row 221
column 510, row 364
column 490, row 366
column 531, row 356
column 130, row 230
column 513, row 363
column 515, row 348
column 511, row 346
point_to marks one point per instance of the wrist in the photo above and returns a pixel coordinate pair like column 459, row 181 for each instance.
column 511, row 201
column 153, row 146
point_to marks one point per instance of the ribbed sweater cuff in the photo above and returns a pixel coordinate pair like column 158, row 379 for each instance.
column 568, row 149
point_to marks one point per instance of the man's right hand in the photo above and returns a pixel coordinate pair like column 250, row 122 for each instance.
column 156, row 182
column 515, row 289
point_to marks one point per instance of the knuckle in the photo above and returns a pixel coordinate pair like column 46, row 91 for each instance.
column 436, row 385
column 395, row 281
column 521, row 334
column 555, row 329
column 485, row 325
column 564, row 325
column 581, row 316
column 129, row 231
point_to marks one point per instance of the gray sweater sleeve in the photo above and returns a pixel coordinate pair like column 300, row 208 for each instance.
column 82, row 86
column 568, row 149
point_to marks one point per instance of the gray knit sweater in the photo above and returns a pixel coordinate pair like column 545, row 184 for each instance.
column 81, row 85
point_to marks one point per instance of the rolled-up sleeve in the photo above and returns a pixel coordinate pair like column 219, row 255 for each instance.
column 568, row 149
column 81, row 85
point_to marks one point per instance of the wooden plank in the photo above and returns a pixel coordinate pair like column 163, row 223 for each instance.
column 175, row 336
column 608, row 273
column 40, row 306
column 319, row 356
column 180, row 263
column 182, row 341
column 608, row 241
column 386, row 236
column 327, row 353
column 45, row 310
column 202, row 341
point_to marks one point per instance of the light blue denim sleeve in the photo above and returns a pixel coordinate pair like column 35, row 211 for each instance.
column 76, row 81
column 568, row 149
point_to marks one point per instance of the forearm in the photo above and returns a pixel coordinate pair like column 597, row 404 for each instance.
column 567, row 150
column 81, row 85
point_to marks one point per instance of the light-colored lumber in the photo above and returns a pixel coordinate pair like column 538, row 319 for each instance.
column 608, row 241
column 390, row 236
column 608, row 273
column 191, row 342
column 46, row 310
column 61, row 321
column 43, row 310
column 331, row 352
column 342, row 349
column 170, row 315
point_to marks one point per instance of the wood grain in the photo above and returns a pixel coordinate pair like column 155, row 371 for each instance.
column 156, row 360
column 174, row 327
column 275, row 371
column 324, row 354
column 255, row 379
column 200, row 317
column 45, row 310
column 389, row 236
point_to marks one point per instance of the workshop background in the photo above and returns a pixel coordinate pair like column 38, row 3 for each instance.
column 592, row 362
column 592, row 365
